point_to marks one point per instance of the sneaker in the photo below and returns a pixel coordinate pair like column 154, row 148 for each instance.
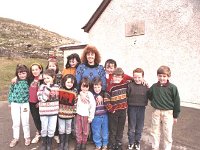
column 13, row 142
column 27, row 142
column 56, row 138
column 104, row 148
column 36, row 138
column 97, row 148
column 130, row 146
column 137, row 145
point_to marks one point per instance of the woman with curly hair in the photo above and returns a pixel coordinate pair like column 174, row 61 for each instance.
column 90, row 66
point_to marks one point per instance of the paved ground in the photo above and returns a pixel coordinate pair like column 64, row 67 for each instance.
column 186, row 133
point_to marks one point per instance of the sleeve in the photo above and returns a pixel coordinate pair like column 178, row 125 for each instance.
column 92, row 107
column 149, row 93
column 10, row 93
column 107, row 103
column 103, row 77
column 79, row 76
column 43, row 93
column 176, row 100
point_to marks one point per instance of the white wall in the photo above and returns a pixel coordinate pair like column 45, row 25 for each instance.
column 171, row 38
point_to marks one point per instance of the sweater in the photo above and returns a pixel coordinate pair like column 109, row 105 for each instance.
column 100, row 109
column 115, row 96
column 87, row 109
column 69, row 71
column 19, row 92
column 165, row 97
column 137, row 94
column 84, row 70
column 67, row 103
column 48, row 97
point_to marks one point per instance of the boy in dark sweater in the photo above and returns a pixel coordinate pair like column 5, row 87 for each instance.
column 137, row 101
column 165, row 100
column 116, row 103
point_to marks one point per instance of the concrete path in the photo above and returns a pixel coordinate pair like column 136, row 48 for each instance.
column 186, row 133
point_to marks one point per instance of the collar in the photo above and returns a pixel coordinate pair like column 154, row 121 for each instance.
column 166, row 84
column 91, row 66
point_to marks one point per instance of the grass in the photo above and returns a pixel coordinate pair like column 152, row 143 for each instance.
column 7, row 71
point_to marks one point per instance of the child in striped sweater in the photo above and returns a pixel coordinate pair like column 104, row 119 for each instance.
column 48, row 96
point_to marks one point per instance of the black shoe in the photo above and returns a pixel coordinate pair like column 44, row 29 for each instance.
column 118, row 146
column 137, row 145
column 111, row 147
column 49, row 143
column 44, row 143
column 83, row 146
column 62, row 141
column 78, row 146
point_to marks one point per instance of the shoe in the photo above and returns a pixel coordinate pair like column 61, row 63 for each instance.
column 13, row 142
column 130, row 146
column 118, row 146
column 97, row 148
column 104, row 148
column 27, row 141
column 56, row 138
column 36, row 138
column 137, row 145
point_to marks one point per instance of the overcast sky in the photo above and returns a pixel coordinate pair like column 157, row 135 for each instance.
column 65, row 17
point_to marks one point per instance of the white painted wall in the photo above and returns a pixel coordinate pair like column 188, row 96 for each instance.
column 172, row 37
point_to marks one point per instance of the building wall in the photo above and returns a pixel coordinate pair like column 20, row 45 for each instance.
column 172, row 38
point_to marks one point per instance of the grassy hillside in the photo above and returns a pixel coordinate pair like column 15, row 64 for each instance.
column 21, row 38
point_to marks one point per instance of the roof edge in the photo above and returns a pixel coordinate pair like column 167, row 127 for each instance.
column 96, row 15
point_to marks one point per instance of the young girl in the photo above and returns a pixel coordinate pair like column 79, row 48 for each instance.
column 18, row 98
column 100, row 121
column 67, row 109
column 85, row 114
column 73, row 61
column 53, row 64
column 48, row 96
column 35, row 81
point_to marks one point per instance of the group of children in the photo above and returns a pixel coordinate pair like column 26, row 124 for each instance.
column 54, row 101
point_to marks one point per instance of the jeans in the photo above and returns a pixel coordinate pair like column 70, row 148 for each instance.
column 20, row 111
column 136, row 116
column 116, row 126
column 100, row 130
column 48, row 125
column 65, row 126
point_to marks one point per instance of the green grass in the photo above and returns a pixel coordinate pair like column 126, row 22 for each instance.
column 7, row 71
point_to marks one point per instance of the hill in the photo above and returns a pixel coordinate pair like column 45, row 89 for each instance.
column 26, row 40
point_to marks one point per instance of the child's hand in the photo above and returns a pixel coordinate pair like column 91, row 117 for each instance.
column 99, row 100
column 84, row 98
column 40, row 77
column 175, row 120
column 14, row 80
column 37, row 105
column 145, row 83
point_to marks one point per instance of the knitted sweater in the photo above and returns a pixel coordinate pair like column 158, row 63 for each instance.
column 100, row 109
column 85, row 70
column 137, row 94
column 86, row 109
column 48, row 99
column 19, row 92
column 67, row 103
column 165, row 97
column 115, row 96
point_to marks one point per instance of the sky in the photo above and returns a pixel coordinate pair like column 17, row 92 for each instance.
column 65, row 17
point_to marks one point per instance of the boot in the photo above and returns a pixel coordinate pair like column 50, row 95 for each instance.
column 66, row 142
column 62, row 140
column 49, row 143
column 44, row 143
column 78, row 146
column 83, row 146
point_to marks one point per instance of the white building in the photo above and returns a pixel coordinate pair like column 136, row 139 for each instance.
column 148, row 34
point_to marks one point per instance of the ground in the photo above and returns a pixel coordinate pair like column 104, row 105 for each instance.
column 186, row 133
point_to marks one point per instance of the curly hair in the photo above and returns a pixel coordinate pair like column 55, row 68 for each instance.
column 93, row 49
column 73, row 56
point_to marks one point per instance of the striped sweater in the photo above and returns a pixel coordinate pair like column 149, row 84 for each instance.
column 67, row 103
column 48, row 97
column 115, row 96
